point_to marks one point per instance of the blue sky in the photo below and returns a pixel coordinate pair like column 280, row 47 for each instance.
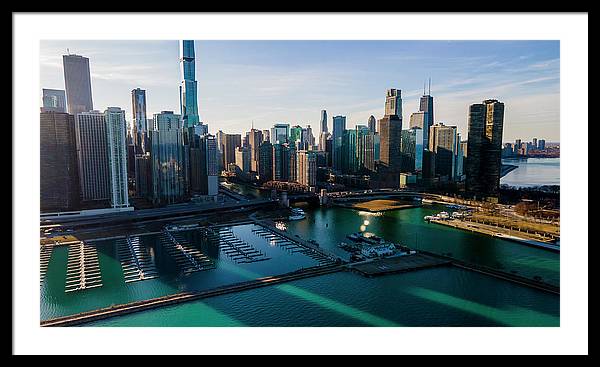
column 291, row 81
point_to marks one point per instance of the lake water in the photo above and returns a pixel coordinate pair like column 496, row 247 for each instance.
column 445, row 296
column 532, row 172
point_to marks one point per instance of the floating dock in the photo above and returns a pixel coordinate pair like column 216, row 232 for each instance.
column 135, row 260
column 397, row 264
column 45, row 255
column 188, row 258
column 235, row 248
column 83, row 269
column 291, row 246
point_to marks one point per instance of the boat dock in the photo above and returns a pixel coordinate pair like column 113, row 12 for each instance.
column 137, row 306
column 396, row 264
column 83, row 269
column 45, row 255
column 235, row 248
column 135, row 261
column 188, row 258
column 291, row 246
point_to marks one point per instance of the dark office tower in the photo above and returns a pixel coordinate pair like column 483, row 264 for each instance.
column 59, row 184
column 293, row 168
column 484, row 147
column 78, row 84
column 339, row 126
column 230, row 142
column 393, row 103
column 188, row 90
column 265, row 163
column 167, row 151
column 53, row 100
column 372, row 124
column 534, row 143
column 143, row 175
column 426, row 105
column 204, row 163
column 255, row 138
column 542, row 144
column 349, row 149
column 281, row 162
column 92, row 153
column 329, row 151
column 390, row 130
column 443, row 144
column 139, row 128
column 324, row 121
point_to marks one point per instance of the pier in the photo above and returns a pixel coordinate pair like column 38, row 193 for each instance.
column 137, row 306
column 135, row 261
column 236, row 249
column 188, row 258
column 397, row 264
column 83, row 269
column 45, row 255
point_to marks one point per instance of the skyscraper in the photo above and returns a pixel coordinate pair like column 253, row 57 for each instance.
column 230, row 143
column 339, row 126
column 139, row 127
column 117, row 156
column 78, row 84
column 421, row 120
column 323, row 121
column 188, row 90
column 393, row 103
column 280, row 133
column 443, row 144
column 307, row 168
column 281, row 162
column 167, row 158
column 53, row 100
column 295, row 134
column 92, row 154
column 486, row 121
column 372, row 124
column 255, row 138
column 59, row 184
column 265, row 163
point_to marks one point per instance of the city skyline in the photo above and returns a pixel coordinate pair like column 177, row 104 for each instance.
column 295, row 83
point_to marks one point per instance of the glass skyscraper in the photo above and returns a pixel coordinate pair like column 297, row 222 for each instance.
column 188, row 90
column 78, row 84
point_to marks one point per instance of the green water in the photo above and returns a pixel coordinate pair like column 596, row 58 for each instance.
column 444, row 296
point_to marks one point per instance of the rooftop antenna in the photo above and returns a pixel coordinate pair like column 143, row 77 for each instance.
column 252, row 125
column 429, row 86
column 424, row 83
column 68, row 53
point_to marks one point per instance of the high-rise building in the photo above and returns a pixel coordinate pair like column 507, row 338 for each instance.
column 267, row 135
column 365, row 153
column 308, row 139
column 117, row 156
column 390, row 136
column 323, row 141
column 295, row 134
column 78, row 84
column 281, row 162
column 412, row 150
column 486, row 122
column 92, row 156
column 443, row 144
column 393, row 103
column 293, row 166
column 188, row 90
column 59, row 184
column 265, row 163
column 242, row 158
column 307, row 167
column 542, row 144
column 459, row 158
column 230, row 143
column 426, row 105
column 280, row 133
column 54, row 100
column 349, row 152
column 139, row 128
column 372, row 124
column 209, row 166
column 339, row 126
column 421, row 120
column 534, row 143
column 255, row 138
column 323, row 121
column 167, row 158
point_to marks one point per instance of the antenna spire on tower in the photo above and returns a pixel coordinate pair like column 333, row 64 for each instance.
column 429, row 86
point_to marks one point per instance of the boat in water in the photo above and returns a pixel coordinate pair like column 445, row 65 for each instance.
column 297, row 214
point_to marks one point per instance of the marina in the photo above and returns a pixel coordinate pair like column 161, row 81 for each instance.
column 83, row 270
column 45, row 255
column 135, row 260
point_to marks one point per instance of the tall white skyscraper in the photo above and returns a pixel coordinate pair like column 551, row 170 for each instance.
column 78, row 84
column 117, row 156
